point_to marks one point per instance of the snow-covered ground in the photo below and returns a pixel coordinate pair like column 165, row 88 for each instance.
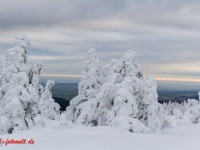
column 55, row 137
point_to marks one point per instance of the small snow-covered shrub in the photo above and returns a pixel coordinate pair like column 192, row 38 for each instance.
column 194, row 114
column 48, row 107
column 39, row 121
column 126, row 123
column 178, row 114
column 189, row 109
column 5, row 124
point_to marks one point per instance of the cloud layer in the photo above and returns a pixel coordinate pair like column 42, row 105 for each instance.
column 164, row 33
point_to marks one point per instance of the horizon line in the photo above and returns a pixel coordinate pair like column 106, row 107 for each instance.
column 156, row 78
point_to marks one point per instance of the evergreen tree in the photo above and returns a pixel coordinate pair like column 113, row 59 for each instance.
column 15, row 100
column 47, row 105
column 81, row 107
column 20, row 91
column 124, row 99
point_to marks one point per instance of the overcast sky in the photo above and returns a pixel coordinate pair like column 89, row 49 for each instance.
column 164, row 33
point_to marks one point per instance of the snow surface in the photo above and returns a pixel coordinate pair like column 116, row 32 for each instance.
column 54, row 136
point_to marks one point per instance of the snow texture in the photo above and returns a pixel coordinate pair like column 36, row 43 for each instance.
column 53, row 136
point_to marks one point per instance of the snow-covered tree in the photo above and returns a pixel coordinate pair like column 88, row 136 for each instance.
column 16, row 101
column 125, row 94
column 34, row 73
column 81, row 108
column 177, row 113
column 150, row 111
column 116, row 76
column 47, row 105
column 34, row 87
column 190, row 110
column 19, row 88
column 123, row 100
column 175, row 108
column 90, row 82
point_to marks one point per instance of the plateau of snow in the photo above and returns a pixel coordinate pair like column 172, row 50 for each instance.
column 183, row 136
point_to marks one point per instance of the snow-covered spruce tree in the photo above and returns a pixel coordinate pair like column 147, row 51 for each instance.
column 150, row 111
column 188, row 109
column 177, row 113
column 34, row 73
column 124, row 100
column 48, row 107
column 15, row 99
column 192, row 110
column 193, row 113
column 115, row 96
column 19, row 88
column 81, row 107
column 34, row 87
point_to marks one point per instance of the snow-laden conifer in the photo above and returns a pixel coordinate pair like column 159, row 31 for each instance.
column 187, row 110
column 20, row 91
column 81, row 109
column 123, row 100
column 150, row 111
column 16, row 101
column 126, row 99
column 47, row 105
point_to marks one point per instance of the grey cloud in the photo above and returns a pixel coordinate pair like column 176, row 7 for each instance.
column 162, row 32
column 51, row 12
column 77, row 13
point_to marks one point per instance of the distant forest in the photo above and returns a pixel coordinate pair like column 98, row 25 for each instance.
column 64, row 92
